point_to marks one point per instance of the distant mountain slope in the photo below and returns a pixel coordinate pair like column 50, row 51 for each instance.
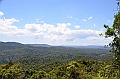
column 12, row 51
column 38, row 45
column 10, row 45
column 89, row 46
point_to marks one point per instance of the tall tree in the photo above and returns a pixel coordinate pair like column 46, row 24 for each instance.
column 114, row 33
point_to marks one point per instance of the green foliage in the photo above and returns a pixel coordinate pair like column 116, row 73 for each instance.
column 84, row 69
column 114, row 33
column 10, row 71
column 56, row 63
column 80, row 69
column 48, row 58
column 39, row 75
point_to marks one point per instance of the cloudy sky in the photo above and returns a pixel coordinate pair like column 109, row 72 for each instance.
column 56, row 22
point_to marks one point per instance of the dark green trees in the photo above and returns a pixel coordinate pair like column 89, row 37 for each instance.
column 114, row 33
column 10, row 71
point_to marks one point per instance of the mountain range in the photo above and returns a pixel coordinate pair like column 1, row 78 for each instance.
column 14, row 51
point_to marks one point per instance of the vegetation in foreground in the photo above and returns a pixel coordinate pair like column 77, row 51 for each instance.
column 80, row 69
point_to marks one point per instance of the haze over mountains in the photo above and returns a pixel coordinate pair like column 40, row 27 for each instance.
column 14, row 51
column 47, row 45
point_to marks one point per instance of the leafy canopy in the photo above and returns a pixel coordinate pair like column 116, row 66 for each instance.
column 114, row 33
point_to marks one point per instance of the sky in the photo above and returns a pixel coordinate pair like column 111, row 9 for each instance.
column 56, row 22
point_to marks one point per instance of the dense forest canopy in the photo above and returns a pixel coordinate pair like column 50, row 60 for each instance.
column 53, row 62
column 11, row 51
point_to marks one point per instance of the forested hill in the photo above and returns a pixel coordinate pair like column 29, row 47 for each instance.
column 10, row 46
column 38, row 45
column 33, row 60
column 12, row 51
column 89, row 46
column 16, row 44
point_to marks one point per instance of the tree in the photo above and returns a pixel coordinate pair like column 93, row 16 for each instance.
column 39, row 75
column 10, row 71
column 114, row 33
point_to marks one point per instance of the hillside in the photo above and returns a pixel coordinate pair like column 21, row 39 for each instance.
column 80, row 69
column 56, row 62
column 12, row 51
column 38, row 45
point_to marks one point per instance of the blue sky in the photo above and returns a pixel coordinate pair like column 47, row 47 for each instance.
column 56, row 22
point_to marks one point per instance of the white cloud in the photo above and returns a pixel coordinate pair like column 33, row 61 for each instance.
column 70, row 35
column 102, row 29
column 76, row 18
column 95, row 38
column 84, row 20
column 70, row 17
column 94, row 25
column 77, row 26
column 90, row 18
column 42, row 21
column 7, row 28
column 108, row 20
column 100, row 39
column 58, row 32
column 36, row 19
column 1, row 14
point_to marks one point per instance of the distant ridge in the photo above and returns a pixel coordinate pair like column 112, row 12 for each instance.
column 14, row 51
column 20, row 44
column 11, row 44
column 89, row 46
column 39, row 45
column 17, row 44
